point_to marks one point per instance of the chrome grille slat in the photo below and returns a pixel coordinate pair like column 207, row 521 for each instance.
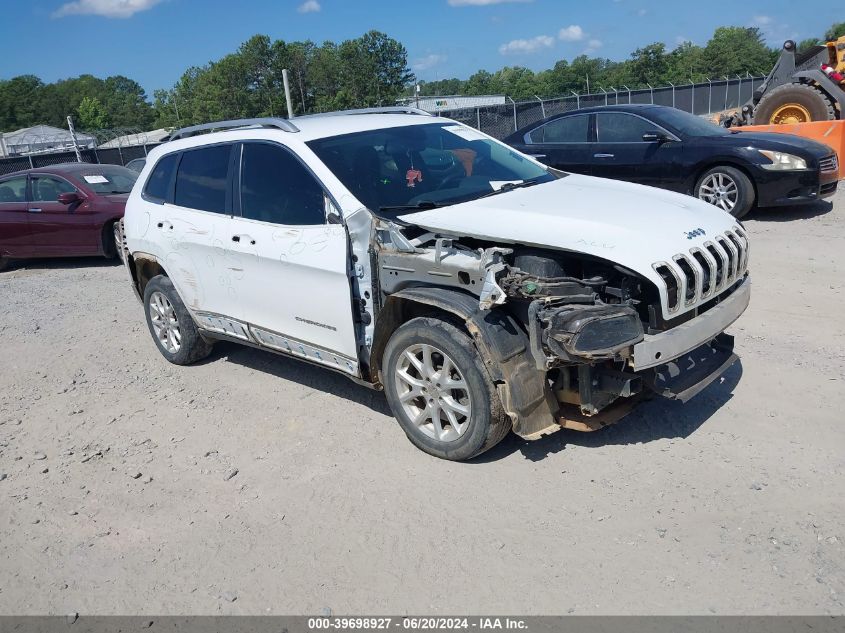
column 829, row 164
column 695, row 282
column 733, row 256
column 711, row 266
column 716, row 251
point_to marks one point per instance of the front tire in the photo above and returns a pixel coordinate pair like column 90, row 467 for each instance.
column 440, row 392
column 793, row 103
column 726, row 188
column 170, row 324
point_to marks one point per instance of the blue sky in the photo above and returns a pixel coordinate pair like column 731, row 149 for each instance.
column 154, row 41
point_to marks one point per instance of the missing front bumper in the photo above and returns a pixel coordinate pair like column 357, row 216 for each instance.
column 687, row 375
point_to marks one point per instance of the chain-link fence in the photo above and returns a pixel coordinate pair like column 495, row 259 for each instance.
column 118, row 147
column 42, row 146
column 703, row 98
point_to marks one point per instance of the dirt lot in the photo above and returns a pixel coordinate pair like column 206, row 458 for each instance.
column 118, row 495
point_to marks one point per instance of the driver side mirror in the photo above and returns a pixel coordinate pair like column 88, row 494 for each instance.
column 656, row 137
column 69, row 197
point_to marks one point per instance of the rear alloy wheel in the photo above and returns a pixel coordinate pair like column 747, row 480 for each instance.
column 440, row 392
column 728, row 189
column 170, row 324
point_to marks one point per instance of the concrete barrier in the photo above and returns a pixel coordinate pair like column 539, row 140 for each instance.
column 831, row 133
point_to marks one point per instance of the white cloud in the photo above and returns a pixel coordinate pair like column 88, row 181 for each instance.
column 309, row 6
column 572, row 33
column 642, row 12
column 480, row 3
column 105, row 8
column 592, row 46
column 527, row 46
column 429, row 61
column 762, row 20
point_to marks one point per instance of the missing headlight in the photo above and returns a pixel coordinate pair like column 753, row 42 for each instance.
column 594, row 331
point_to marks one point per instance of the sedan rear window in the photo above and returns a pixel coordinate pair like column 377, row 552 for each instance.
column 109, row 179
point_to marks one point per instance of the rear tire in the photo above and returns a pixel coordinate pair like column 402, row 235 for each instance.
column 440, row 392
column 793, row 103
column 726, row 188
column 170, row 324
column 4, row 262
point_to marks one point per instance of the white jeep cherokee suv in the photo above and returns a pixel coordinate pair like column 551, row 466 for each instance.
column 483, row 291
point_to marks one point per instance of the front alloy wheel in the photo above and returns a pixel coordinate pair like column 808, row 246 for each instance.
column 720, row 190
column 433, row 392
column 727, row 188
column 440, row 392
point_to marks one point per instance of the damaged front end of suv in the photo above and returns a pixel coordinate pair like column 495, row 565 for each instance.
column 570, row 339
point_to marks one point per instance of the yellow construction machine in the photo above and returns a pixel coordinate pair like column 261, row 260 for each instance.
column 802, row 87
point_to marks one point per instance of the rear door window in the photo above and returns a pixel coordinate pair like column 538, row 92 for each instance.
column 571, row 129
column 202, row 177
column 277, row 188
column 618, row 127
column 158, row 184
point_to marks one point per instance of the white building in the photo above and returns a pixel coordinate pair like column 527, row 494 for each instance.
column 455, row 102
column 141, row 138
column 41, row 139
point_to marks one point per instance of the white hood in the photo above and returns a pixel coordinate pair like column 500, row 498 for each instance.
column 627, row 224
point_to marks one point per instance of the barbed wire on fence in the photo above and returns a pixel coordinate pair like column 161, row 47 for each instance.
column 708, row 98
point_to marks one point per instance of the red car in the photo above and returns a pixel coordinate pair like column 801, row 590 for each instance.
column 63, row 210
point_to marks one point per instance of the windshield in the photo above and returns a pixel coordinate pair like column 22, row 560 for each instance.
column 418, row 165
column 109, row 179
column 689, row 124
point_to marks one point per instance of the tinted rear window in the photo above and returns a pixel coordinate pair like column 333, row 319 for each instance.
column 201, row 179
column 571, row 129
column 160, row 179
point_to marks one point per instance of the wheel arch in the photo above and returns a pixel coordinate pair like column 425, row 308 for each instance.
column 501, row 342
column 143, row 267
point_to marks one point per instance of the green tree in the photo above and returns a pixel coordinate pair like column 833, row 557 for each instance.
column 835, row 32
column 92, row 114
column 735, row 50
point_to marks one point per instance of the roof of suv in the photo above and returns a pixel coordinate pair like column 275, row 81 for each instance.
column 310, row 127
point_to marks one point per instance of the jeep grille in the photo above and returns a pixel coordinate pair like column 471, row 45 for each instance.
column 698, row 275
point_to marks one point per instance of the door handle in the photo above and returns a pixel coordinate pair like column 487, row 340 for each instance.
column 537, row 155
column 35, row 210
column 603, row 156
column 237, row 238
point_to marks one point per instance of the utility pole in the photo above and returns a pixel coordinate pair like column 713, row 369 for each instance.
column 287, row 92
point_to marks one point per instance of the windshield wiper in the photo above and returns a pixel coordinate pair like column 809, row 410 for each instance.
column 510, row 186
column 419, row 206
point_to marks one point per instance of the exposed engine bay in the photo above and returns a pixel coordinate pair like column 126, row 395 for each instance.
column 582, row 316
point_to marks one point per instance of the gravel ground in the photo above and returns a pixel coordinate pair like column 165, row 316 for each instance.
column 252, row 483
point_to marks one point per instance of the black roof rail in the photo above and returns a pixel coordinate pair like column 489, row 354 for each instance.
column 381, row 110
column 275, row 122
